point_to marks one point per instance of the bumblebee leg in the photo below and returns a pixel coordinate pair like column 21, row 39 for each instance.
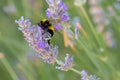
column 49, row 41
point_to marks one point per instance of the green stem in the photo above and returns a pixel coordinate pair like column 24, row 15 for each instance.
column 28, row 75
column 76, row 71
column 91, row 25
column 10, row 69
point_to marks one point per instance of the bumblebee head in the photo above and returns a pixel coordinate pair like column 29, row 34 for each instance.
column 44, row 24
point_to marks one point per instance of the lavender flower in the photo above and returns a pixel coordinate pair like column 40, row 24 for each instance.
column 57, row 27
column 117, row 5
column 23, row 23
column 33, row 35
column 57, row 11
column 85, row 76
column 67, row 65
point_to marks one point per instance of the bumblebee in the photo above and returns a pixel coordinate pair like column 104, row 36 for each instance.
column 48, row 28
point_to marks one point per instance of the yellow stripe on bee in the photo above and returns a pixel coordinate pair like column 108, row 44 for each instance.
column 44, row 20
column 51, row 28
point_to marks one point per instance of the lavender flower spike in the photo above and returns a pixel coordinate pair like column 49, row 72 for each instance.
column 67, row 65
column 23, row 23
column 33, row 35
column 57, row 11
column 85, row 76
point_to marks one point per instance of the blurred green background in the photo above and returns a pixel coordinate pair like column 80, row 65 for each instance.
column 98, row 54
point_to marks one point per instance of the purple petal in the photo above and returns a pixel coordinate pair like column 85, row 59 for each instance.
column 55, row 50
column 83, row 72
column 57, row 27
column 65, row 17
column 48, row 13
column 41, row 44
column 62, row 6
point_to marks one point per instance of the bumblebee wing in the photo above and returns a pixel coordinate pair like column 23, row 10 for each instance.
column 47, row 36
